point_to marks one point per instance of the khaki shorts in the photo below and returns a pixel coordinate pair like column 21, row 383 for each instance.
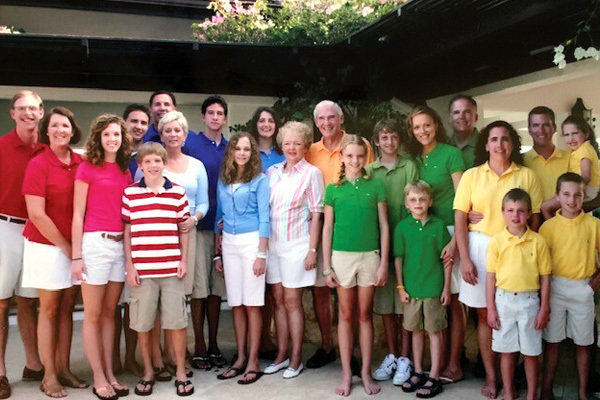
column 168, row 293
column 355, row 268
column 386, row 299
column 425, row 313
column 190, row 275
column 207, row 281
column 517, row 333
column 11, row 261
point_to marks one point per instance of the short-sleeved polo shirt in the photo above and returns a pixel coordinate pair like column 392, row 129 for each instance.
column 436, row 168
column 395, row 179
column 518, row 262
column 271, row 158
column 329, row 162
column 14, row 156
column 547, row 170
column 356, row 221
column 481, row 190
column 468, row 150
column 420, row 247
column 586, row 150
column 573, row 243
column 48, row 177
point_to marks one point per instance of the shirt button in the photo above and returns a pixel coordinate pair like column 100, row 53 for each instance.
column 420, row 229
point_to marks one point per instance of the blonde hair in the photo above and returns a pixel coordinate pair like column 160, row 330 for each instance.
column 296, row 127
column 173, row 116
column 348, row 140
column 418, row 187
column 149, row 148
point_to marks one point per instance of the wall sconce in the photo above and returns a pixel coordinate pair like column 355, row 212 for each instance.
column 579, row 110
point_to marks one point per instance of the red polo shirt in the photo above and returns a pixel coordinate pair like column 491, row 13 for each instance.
column 14, row 156
column 46, row 176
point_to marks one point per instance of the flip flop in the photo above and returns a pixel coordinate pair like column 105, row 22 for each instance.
column 162, row 374
column 257, row 376
column 446, row 380
column 201, row 362
column 144, row 383
column 238, row 371
column 182, row 385
column 217, row 360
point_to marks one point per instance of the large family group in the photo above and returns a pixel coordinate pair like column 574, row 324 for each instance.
column 154, row 216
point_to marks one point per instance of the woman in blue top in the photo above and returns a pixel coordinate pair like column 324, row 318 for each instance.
column 243, row 206
column 264, row 126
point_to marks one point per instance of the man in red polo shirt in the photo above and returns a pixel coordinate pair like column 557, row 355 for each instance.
column 16, row 149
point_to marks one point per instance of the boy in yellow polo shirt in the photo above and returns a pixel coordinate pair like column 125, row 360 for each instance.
column 573, row 238
column 518, row 276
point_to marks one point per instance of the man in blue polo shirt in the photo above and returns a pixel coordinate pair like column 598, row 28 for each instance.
column 209, row 286
column 161, row 102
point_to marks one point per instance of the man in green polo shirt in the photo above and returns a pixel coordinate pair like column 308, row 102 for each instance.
column 463, row 116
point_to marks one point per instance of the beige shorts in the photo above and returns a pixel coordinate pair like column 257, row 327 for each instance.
column 11, row 261
column 188, row 279
column 517, row 333
column 428, row 314
column 571, row 312
column 355, row 268
column 166, row 293
column 207, row 281
column 386, row 299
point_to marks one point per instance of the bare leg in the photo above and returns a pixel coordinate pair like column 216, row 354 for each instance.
column 532, row 372
column 484, row 338
column 322, row 306
column 390, row 327
column 145, row 344
column 240, row 324
column 406, row 339
column 117, row 365
column 198, row 307
column 213, row 311
column 582, row 354
column 131, row 339
column 27, row 323
column 365, row 337
column 281, row 322
column 436, row 340
column 156, row 351
column 456, row 331
column 65, row 329
column 3, row 334
column 295, row 319
column 47, row 338
column 508, row 362
column 254, row 330
column 550, row 364
column 179, row 343
column 111, row 299
column 347, row 308
column 266, row 342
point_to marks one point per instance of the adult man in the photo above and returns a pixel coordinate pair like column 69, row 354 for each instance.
column 161, row 102
column 16, row 149
column 209, row 286
column 463, row 116
column 325, row 155
column 136, row 118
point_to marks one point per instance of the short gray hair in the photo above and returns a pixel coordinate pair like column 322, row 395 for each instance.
column 173, row 116
column 296, row 127
column 328, row 103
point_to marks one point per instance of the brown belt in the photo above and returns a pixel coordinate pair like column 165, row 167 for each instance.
column 116, row 238
column 13, row 219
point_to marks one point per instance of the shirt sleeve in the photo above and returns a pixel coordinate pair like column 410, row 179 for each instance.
column 544, row 260
column 381, row 193
column 125, row 210
column 446, row 238
column 492, row 256
column 183, row 208
column 329, row 201
column 535, row 192
column 83, row 173
column 36, row 178
column 455, row 161
column 263, row 193
column 399, row 246
column 462, row 199
column 315, row 191
column 202, row 201
column 545, row 231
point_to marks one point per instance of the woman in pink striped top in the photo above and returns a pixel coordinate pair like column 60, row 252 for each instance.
column 296, row 206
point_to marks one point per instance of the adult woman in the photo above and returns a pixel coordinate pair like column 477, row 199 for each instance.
column 441, row 166
column 499, row 168
column 264, row 126
column 97, row 231
column 243, row 206
column 296, row 207
column 48, row 190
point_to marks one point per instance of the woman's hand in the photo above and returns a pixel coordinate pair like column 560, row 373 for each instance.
column 474, row 217
column 493, row 320
column 67, row 249
column 78, row 270
column 469, row 271
column 218, row 265
column 259, row 266
column 449, row 253
column 381, row 275
column 187, row 224
column 332, row 280
column 310, row 261
column 446, row 296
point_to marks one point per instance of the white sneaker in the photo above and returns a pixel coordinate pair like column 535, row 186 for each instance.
column 403, row 370
column 274, row 368
column 386, row 369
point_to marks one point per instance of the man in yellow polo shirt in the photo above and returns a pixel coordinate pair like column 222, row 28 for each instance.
column 325, row 155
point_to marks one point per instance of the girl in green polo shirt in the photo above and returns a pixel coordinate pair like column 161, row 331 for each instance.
column 355, row 254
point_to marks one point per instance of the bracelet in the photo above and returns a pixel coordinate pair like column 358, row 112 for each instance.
column 261, row 254
column 215, row 258
column 75, row 259
column 400, row 287
column 327, row 272
column 195, row 219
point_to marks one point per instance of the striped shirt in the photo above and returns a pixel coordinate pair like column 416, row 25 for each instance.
column 294, row 196
column 154, row 232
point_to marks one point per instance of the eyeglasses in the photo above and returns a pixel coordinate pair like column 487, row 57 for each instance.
column 28, row 108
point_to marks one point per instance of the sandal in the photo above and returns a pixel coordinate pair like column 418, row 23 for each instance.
column 172, row 368
column 225, row 375
column 120, row 389
column 257, row 375
column 432, row 390
column 411, row 385
column 217, row 360
column 144, row 391
column 181, row 385
column 201, row 362
column 104, row 390
column 162, row 374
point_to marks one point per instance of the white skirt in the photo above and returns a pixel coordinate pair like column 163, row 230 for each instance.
column 474, row 295
column 46, row 267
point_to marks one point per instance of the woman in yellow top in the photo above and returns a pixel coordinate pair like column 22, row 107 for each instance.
column 499, row 168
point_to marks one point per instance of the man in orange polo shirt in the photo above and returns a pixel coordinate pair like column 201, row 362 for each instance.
column 16, row 149
column 325, row 155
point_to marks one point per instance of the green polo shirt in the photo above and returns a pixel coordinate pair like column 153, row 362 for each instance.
column 420, row 247
column 436, row 168
column 356, row 224
column 468, row 151
column 395, row 179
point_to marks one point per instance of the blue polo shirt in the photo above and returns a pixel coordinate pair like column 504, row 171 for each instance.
column 151, row 135
column 270, row 158
column 211, row 154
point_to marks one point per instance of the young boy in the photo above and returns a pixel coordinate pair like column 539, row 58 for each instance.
column 155, row 254
column 395, row 171
column 573, row 238
column 423, row 284
column 518, row 275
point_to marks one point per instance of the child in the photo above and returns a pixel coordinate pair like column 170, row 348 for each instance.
column 355, row 253
column 423, row 284
column 518, row 268
column 155, row 254
column 573, row 238
column 395, row 171
column 580, row 138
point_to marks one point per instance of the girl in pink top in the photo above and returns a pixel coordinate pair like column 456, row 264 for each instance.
column 98, row 254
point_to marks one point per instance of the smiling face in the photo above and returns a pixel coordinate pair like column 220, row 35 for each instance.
column 573, row 136
column 242, row 151
column 329, row 122
column 388, row 143
column 265, row 125
column 173, row 135
column 541, row 128
column 152, row 165
column 111, row 138
column 60, row 131
column 499, row 145
column 215, row 118
column 570, row 196
column 293, row 146
column 424, row 128
column 26, row 113
column 516, row 214
column 418, row 203
column 137, row 125
column 161, row 104
column 463, row 116
column 353, row 157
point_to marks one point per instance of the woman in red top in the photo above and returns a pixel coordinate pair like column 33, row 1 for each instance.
column 48, row 190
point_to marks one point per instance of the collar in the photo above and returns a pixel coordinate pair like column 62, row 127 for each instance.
column 16, row 141
column 575, row 220
column 53, row 159
column 557, row 153
column 527, row 236
column 415, row 221
column 167, row 185
column 299, row 167
column 223, row 141
column 512, row 168
column 472, row 140
column 400, row 163
column 321, row 146
column 271, row 151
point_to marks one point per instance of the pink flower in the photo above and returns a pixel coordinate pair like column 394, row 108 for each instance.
column 383, row 1
column 217, row 19
column 366, row 11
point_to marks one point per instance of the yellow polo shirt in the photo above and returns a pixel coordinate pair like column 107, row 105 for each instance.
column 548, row 171
column 586, row 150
column 481, row 190
column 518, row 262
column 329, row 162
column 573, row 244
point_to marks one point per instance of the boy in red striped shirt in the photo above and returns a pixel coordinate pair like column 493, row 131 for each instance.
column 155, row 252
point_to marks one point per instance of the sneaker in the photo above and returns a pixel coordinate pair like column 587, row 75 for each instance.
column 321, row 358
column 404, row 369
column 386, row 368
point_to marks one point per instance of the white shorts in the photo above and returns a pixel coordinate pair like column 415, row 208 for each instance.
column 591, row 192
column 517, row 333
column 239, row 254
column 456, row 276
column 104, row 258
column 46, row 267
column 285, row 264
column 11, row 261
column 571, row 312
column 474, row 295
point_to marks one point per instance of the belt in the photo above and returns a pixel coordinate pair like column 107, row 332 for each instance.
column 13, row 219
column 116, row 238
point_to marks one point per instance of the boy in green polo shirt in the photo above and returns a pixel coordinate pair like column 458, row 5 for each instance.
column 423, row 284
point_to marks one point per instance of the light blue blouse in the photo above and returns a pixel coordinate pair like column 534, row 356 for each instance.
column 195, row 182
